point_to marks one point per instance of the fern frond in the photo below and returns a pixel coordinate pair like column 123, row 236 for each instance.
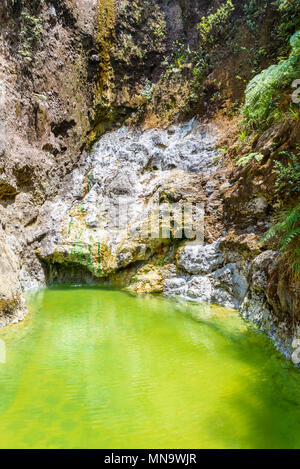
column 289, row 237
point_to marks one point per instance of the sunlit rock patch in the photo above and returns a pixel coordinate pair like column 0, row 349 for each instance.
column 206, row 275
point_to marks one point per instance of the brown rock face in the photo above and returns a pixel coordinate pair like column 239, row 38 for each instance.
column 12, row 306
column 46, row 92
column 283, row 293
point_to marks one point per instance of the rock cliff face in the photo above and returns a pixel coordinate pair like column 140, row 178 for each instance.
column 109, row 102
column 46, row 95
column 12, row 305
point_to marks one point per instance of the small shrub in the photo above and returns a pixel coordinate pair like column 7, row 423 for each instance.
column 295, row 113
column 286, row 232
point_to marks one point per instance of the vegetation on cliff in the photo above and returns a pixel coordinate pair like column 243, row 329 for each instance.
column 268, row 105
column 263, row 93
column 286, row 231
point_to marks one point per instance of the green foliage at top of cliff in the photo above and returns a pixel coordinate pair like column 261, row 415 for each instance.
column 263, row 91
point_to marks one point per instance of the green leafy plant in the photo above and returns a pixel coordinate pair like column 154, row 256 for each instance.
column 159, row 30
column 284, row 4
column 148, row 89
column 246, row 159
column 180, row 55
column 242, row 135
column 209, row 24
column 30, row 34
column 201, row 61
column 286, row 231
column 263, row 91
column 178, row 61
column 295, row 113
column 290, row 20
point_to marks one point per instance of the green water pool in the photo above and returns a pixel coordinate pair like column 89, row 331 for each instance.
column 99, row 368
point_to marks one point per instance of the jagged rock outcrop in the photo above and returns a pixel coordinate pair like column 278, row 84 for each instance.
column 206, row 274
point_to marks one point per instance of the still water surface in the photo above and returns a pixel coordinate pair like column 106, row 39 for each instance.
column 99, row 368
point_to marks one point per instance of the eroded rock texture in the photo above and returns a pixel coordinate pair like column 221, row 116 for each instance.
column 138, row 170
